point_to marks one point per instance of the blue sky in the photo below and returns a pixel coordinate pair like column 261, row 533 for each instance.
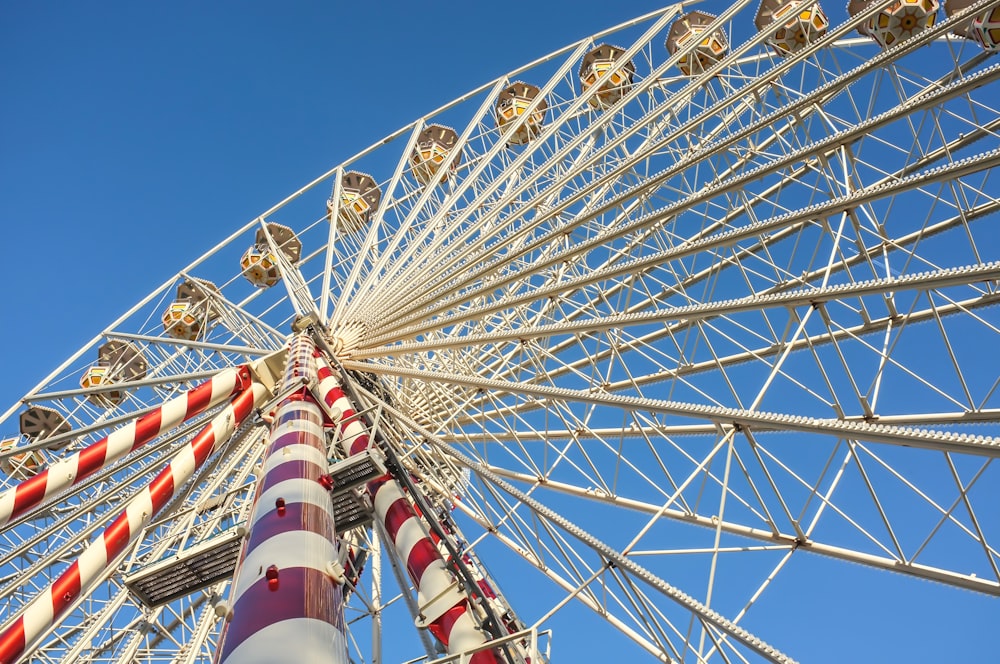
column 133, row 136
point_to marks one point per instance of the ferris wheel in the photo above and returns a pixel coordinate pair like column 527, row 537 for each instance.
column 626, row 347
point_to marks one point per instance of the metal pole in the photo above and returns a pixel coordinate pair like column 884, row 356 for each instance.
column 93, row 563
column 445, row 609
column 376, row 563
column 73, row 469
column 286, row 603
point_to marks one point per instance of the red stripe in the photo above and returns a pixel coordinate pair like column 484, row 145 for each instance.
column 360, row 444
column 484, row 657
column 333, row 396
column 441, row 628
column 146, row 427
column 162, row 488
column 92, row 458
column 360, row 441
column 423, row 552
column 66, row 588
column 198, row 399
column 294, row 438
column 421, row 556
column 202, row 444
column 396, row 515
column 29, row 493
column 297, row 517
column 290, row 470
column 378, row 483
column 116, row 536
column 302, row 592
column 12, row 642
column 242, row 405
column 296, row 410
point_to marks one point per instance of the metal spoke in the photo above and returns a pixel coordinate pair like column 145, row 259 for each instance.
column 642, row 338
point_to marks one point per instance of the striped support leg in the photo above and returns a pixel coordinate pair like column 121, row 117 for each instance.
column 18, row 500
column 454, row 627
column 286, row 606
column 42, row 612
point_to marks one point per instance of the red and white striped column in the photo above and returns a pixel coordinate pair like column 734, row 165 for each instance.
column 453, row 625
column 286, row 603
column 73, row 469
column 42, row 612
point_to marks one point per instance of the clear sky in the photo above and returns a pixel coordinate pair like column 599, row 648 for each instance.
column 133, row 136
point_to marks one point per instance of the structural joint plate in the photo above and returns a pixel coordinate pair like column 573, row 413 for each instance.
column 269, row 369
column 437, row 606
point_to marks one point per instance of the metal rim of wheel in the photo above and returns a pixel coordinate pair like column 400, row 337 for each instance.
column 654, row 317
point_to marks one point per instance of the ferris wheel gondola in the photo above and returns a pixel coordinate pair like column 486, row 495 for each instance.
column 622, row 340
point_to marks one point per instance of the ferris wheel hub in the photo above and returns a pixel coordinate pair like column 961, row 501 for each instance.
column 346, row 337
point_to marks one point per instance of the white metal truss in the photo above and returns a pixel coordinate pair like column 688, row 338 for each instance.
column 723, row 331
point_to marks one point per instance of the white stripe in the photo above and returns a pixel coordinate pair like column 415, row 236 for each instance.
column 326, row 385
column 315, row 641
column 120, row 441
column 435, row 581
column 293, row 491
column 182, row 466
column 140, row 509
column 7, row 504
column 386, row 495
column 296, row 452
column 436, row 578
column 297, row 548
column 92, row 562
column 407, row 536
column 222, row 386
column 228, row 415
column 297, row 406
column 38, row 616
column 464, row 635
column 349, row 440
column 297, row 424
column 353, row 429
column 173, row 412
column 223, row 427
column 61, row 475
column 344, row 404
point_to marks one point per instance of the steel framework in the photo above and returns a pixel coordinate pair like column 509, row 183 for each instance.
column 657, row 331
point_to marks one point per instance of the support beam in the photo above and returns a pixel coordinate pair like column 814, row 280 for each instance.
column 285, row 603
column 727, row 417
column 99, row 555
column 444, row 608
